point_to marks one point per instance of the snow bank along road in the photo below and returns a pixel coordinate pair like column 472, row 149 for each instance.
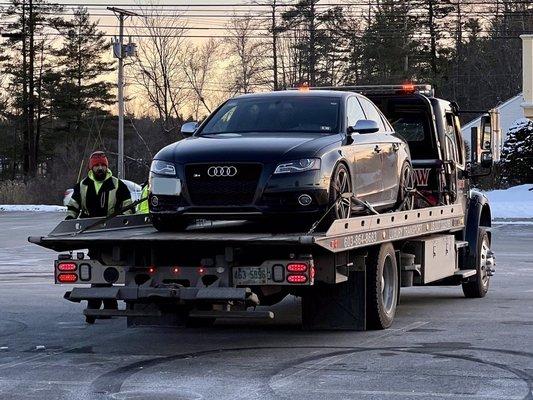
column 516, row 202
column 442, row 346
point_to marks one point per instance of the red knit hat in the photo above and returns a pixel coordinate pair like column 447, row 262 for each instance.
column 98, row 157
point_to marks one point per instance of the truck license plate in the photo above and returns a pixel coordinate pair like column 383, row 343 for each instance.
column 252, row 275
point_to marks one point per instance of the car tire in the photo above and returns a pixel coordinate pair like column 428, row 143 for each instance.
column 406, row 183
column 168, row 224
column 382, row 287
column 479, row 287
column 340, row 183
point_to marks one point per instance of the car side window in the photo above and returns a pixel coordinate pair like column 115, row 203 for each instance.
column 372, row 112
column 354, row 111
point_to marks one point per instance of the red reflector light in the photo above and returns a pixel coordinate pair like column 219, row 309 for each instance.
column 67, row 278
column 151, row 270
column 67, row 267
column 312, row 273
column 176, row 270
column 297, row 267
column 297, row 279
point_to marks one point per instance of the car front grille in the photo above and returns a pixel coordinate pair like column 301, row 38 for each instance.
column 220, row 189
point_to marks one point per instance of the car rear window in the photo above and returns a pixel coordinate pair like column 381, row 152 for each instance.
column 276, row 114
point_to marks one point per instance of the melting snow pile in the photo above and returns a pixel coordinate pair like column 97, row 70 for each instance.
column 31, row 207
column 515, row 202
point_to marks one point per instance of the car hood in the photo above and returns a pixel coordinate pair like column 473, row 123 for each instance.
column 246, row 148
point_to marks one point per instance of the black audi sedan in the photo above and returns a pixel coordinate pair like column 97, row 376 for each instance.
column 284, row 156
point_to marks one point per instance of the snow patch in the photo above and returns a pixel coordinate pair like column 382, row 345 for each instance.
column 31, row 208
column 519, row 124
column 515, row 202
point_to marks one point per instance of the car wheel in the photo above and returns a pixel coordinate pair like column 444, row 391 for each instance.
column 404, row 187
column 168, row 224
column 340, row 183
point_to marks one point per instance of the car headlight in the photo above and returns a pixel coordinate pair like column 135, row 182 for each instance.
column 305, row 164
column 162, row 168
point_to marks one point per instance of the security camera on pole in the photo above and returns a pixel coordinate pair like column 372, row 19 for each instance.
column 121, row 51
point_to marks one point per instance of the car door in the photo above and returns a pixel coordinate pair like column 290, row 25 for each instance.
column 371, row 149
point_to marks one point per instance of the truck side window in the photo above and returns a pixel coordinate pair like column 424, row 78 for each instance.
column 452, row 152
column 354, row 111
column 372, row 112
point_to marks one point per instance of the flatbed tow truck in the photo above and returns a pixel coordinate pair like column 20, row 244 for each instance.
column 349, row 277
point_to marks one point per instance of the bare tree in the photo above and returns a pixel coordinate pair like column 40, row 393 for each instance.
column 247, row 67
column 200, row 65
column 158, row 70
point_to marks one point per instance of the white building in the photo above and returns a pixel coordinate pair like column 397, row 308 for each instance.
column 510, row 111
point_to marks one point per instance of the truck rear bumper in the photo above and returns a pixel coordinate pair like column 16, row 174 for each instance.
column 184, row 294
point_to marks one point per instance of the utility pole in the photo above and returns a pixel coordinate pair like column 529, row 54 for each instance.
column 120, row 52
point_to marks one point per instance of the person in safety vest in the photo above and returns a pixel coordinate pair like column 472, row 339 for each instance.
column 142, row 207
column 100, row 194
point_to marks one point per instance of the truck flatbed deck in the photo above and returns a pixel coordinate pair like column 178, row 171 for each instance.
column 347, row 234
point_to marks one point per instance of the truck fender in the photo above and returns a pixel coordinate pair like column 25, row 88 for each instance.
column 478, row 214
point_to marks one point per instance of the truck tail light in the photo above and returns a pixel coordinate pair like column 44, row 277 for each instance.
column 151, row 270
column 67, row 266
column 297, row 267
column 297, row 279
column 67, row 278
column 201, row 270
column 176, row 270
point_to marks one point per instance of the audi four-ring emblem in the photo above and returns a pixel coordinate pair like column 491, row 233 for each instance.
column 222, row 171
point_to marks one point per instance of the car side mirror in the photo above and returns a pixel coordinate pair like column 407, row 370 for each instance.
column 364, row 126
column 188, row 128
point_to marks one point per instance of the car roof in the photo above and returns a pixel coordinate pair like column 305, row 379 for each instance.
column 293, row 93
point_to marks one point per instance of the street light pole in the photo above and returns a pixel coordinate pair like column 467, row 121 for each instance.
column 120, row 54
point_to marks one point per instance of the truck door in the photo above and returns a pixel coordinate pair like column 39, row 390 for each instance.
column 454, row 160
column 366, row 157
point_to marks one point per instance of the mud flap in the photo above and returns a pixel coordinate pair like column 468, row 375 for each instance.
column 339, row 306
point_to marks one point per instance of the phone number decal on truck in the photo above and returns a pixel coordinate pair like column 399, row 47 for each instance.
column 395, row 233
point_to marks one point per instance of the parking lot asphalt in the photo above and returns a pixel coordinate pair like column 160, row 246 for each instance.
column 441, row 346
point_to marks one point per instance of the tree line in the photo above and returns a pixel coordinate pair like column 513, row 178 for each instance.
column 57, row 75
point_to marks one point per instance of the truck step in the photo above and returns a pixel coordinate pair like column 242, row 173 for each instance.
column 233, row 314
column 465, row 273
column 459, row 244
column 119, row 313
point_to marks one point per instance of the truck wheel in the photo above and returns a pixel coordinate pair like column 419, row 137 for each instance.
column 480, row 285
column 168, row 224
column 405, row 185
column 382, row 287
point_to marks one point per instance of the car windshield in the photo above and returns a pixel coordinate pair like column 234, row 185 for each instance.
column 309, row 114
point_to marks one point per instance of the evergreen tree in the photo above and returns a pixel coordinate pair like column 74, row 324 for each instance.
column 22, row 62
column 81, row 90
column 517, row 154
column 387, row 43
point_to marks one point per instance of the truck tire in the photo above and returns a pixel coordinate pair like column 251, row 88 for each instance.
column 479, row 286
column 382, row 287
